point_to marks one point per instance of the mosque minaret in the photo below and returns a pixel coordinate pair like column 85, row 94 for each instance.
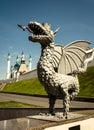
column 19, row 68
column 30, row 63
column 23, row 67
column 8, row 66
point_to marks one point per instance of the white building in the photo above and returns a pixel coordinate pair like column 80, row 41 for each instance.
column 20, row 67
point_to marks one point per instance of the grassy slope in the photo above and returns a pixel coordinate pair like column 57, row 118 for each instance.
column 13, row 104
column 87, row 83
column 30, row 86
column 33, row 86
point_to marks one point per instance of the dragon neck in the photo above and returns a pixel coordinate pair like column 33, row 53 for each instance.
column 45, row 63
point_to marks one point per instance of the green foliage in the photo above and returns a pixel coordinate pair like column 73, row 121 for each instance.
column 13, row 104
column 86, row 81
column 33, row 86
column 29, row 86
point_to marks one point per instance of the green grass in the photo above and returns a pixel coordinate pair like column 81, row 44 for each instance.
column 30, row 86
column 33, row 86
column 13, row 104
column 86, row 81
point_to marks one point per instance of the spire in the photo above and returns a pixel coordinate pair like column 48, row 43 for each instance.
column 30, row 63
column 22, row 58
column 8, row 66
column 30, row 59
column 8, row 57
column 23, row 68
column 17, row 59
column 8, row 54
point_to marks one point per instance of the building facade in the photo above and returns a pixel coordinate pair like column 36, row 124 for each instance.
column 19, row 68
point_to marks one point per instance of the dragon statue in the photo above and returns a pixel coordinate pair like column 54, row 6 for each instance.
column 58, row 65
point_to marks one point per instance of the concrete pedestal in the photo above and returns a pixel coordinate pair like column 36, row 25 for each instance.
column 19, row 120
column 79, row 125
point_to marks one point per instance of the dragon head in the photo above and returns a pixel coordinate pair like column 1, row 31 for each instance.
column 41, row 33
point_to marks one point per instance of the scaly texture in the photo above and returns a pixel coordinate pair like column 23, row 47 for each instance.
column 55, row 83
column 59, row 81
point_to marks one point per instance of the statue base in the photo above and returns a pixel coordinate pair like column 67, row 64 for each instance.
column 48, row 122
column 14, row 119
column 58, row 117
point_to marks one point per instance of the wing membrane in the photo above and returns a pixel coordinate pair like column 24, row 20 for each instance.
column 69, row 58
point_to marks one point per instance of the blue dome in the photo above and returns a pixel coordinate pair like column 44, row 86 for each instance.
column 17, row 65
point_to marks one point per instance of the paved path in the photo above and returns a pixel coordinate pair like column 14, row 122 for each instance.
column 42, row 101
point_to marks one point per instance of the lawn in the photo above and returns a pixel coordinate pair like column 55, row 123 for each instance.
column 33, row 86
column 13, row 104
column 29, row 86
column 86, row 81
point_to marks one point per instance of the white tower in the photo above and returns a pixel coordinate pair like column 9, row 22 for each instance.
column 30, row 63
column 22, row 57
column 23, row 67
column 8, row 66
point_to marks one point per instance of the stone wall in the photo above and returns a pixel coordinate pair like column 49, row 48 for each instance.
column 8, row 80
column 31, row 74
column 28, row 75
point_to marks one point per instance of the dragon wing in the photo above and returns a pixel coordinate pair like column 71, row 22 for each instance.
column 68, row 59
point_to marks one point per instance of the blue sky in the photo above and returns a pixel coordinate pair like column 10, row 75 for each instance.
column 74, row 17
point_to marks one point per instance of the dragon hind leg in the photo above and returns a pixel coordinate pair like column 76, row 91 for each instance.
column 66, row 104
column 52, row 100
column 69, row 95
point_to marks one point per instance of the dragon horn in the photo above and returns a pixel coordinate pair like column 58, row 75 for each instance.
column 24, row 28
column 56, row 30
